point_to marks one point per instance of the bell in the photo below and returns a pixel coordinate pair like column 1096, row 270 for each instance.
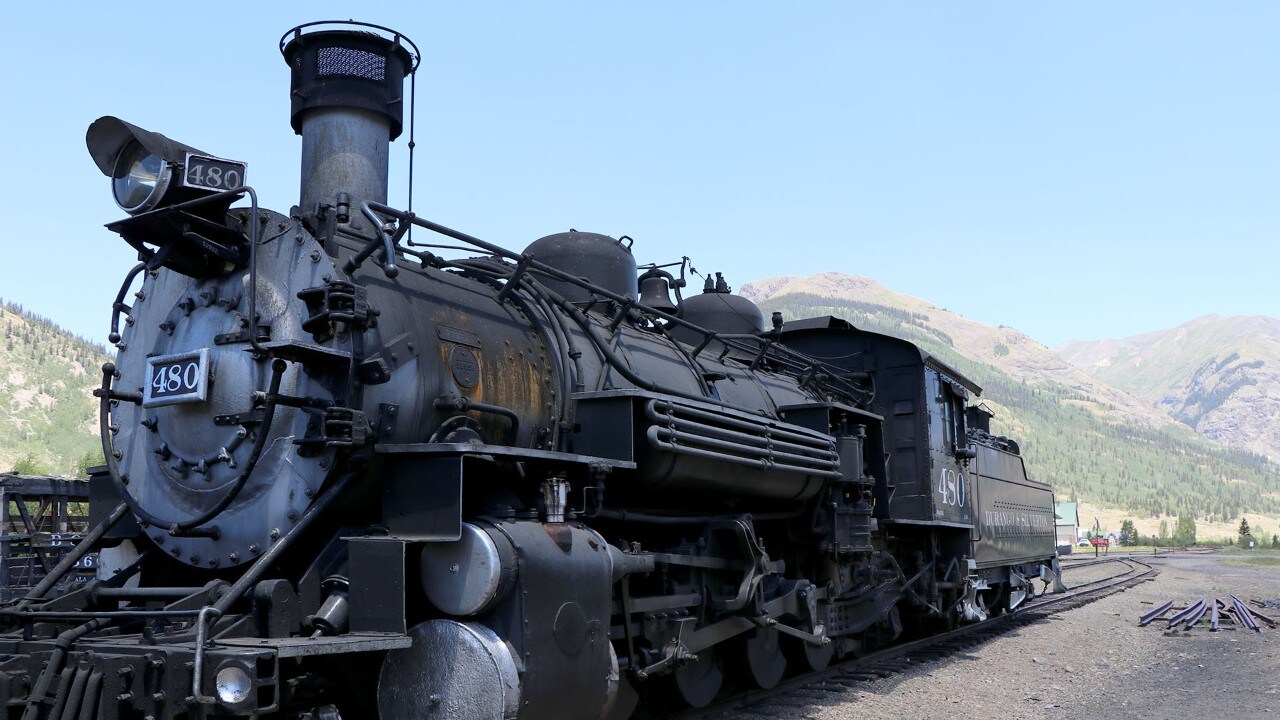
column 655, row 292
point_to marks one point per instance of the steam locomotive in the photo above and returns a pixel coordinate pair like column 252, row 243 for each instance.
column 349, row 476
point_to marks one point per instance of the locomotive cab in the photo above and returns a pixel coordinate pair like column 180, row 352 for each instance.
column 947, row 481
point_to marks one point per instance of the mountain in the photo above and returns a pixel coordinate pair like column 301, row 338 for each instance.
column 1089, row 439
column 1219, row 375
column 872, row 306
column 48, row 415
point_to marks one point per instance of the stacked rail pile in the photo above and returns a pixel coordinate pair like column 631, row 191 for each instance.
column 1231, row 609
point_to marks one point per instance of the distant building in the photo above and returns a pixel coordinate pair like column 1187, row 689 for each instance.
column 1067, row 524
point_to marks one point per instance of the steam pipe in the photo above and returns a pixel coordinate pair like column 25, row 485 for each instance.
column 250, row 577
column 463, row 404
column 119, row 306
column 782, row 353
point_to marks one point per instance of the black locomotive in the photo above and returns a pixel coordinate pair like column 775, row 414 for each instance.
column 347, row 476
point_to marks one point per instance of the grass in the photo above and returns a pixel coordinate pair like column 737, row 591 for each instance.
column 1255, row 561
column 1134, row 550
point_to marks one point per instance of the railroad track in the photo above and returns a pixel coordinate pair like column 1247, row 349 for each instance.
column 800, row 691
column 1163, row 553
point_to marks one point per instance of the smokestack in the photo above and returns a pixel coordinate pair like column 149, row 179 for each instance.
column 347, row 104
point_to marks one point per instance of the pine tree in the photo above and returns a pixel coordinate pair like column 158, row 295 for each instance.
column 90, row 459
column 1185, row 532
column 28, row 465
column 1128, row 533
column 1246, row 534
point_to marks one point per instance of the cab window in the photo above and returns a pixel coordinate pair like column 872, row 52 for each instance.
column 955, row 427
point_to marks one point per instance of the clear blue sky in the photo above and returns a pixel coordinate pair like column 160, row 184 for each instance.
column 1074, row 170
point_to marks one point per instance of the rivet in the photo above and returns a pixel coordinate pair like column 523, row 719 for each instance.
column 254, row 549
column 275, row 533
column 233, row 557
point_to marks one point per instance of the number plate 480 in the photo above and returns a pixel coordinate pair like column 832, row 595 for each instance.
column 179, row 378
column 211, row 173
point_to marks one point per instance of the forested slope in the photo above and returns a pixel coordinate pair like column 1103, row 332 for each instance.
column 48, row 415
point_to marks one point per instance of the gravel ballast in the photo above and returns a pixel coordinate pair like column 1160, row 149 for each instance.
column 1090, row 662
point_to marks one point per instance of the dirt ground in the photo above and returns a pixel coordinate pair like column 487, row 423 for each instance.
column 1091, row 662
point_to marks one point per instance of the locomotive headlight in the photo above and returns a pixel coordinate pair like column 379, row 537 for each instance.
column 233, row 685
column 149, row 171
column 139, row 178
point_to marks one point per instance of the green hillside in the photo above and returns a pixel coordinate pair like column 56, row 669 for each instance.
column 48, row 415
column 1087, row 446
